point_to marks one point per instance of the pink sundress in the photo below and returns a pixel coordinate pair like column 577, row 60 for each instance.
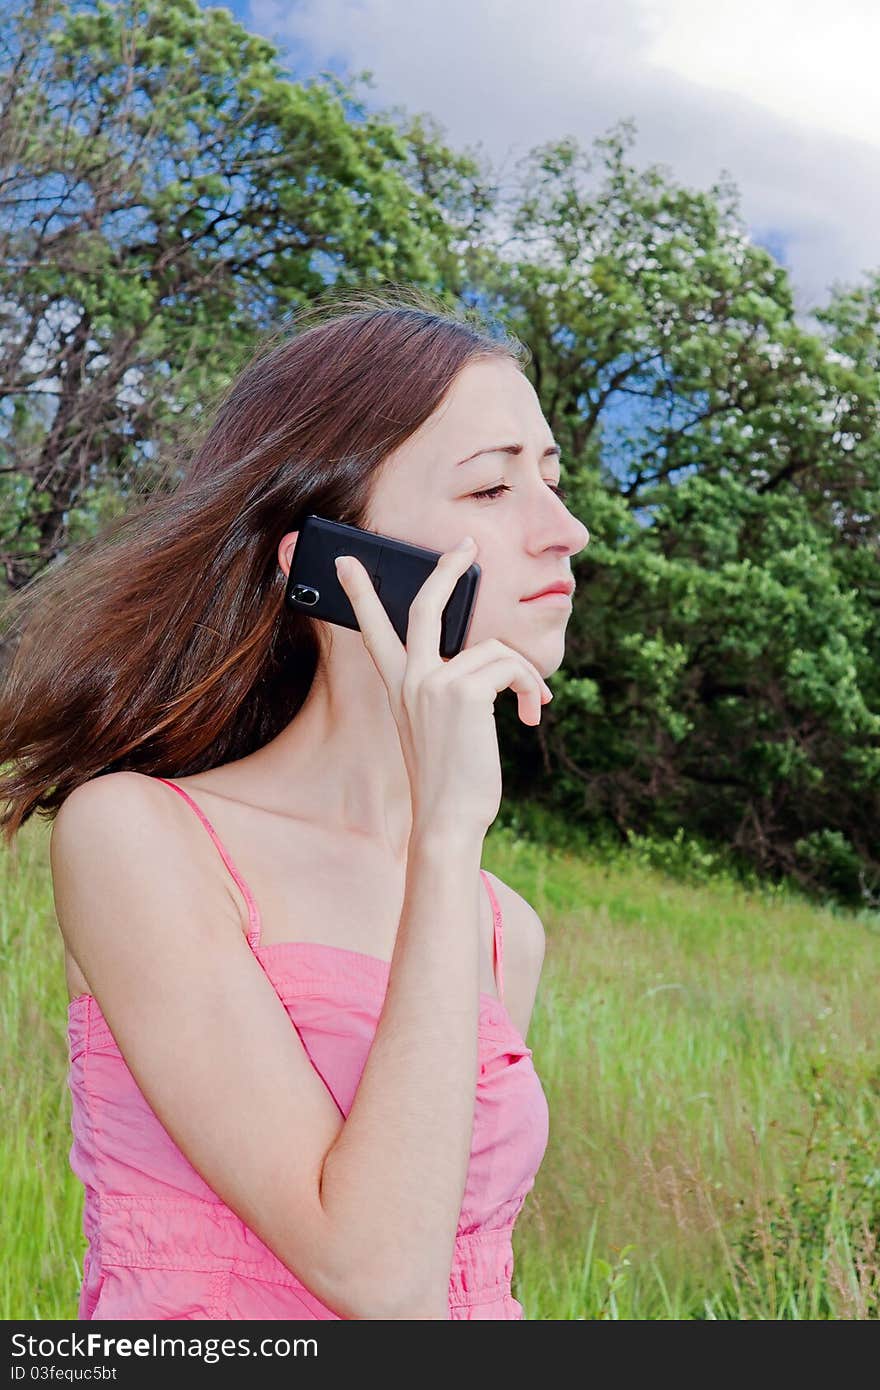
column 162, row 1244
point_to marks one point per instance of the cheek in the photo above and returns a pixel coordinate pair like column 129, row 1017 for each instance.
column 492, row 612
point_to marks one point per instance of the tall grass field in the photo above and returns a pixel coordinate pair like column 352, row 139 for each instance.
column 711, row 1057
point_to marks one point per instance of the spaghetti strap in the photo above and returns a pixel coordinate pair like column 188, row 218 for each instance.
column 253, row 935
column 499, row 936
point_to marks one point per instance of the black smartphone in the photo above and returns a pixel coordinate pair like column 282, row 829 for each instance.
column 398, row 570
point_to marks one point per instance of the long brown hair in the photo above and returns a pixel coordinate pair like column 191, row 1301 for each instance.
column 162, row 645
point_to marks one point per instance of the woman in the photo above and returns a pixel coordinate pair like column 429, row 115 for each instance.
column 262, row 820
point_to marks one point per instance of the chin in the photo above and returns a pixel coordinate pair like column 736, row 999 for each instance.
column 547, row 653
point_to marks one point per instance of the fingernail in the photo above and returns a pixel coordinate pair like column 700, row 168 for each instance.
column 343, row 566
column 465, row 544
column 548, row 690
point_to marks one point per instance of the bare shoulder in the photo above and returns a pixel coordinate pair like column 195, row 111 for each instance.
column 524, row 949
column 107, row 839
column 521, row 919
column 101, row 805
column 100, row 796
column 118, row 808
column 131, row 807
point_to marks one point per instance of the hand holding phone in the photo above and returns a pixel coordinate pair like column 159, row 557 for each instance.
column 444, row 710
column 398, row 569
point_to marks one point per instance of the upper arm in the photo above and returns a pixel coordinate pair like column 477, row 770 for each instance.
column 524, row 948
column 197, row 1021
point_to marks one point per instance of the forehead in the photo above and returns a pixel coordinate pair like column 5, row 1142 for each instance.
column 491, row 402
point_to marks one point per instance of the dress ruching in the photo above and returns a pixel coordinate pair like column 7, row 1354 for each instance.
column 162, row 1245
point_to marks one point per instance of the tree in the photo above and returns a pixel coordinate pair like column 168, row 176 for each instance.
column 721, row 669
column 167, row 193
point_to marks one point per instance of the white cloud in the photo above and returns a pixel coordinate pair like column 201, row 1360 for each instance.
column 781, row 98
column 802, row 60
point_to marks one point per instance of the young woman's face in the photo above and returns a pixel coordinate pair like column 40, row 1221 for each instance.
column 426, row 494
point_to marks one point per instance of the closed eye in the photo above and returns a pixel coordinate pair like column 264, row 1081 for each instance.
column 493, row 492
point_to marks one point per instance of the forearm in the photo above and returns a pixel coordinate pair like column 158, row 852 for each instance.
column 393, row 1182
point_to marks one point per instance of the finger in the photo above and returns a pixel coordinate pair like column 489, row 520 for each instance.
column 509, row 673
column 491, row 649
column 380, row 638
column 426, row 610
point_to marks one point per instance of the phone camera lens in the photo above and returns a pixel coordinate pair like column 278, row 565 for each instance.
column 303, row 593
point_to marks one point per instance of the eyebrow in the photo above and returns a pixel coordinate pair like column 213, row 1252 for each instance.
column 507, row 449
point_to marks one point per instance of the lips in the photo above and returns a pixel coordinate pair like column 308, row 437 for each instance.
column 559, row 586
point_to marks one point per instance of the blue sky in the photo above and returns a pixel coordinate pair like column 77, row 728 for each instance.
column 780, row 97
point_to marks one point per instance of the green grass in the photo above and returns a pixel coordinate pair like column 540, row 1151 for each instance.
column 711, row 1058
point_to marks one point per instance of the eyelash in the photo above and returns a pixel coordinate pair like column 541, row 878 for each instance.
column 493, row 492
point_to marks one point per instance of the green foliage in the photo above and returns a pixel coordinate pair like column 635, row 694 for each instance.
column 722, row 667
column 721, row 670
column 832, row 860
column 711, row 1065
column 826, row 1220
column 168, row 193
column 682, row 857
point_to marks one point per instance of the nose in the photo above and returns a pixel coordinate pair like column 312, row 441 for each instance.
column 568, row 530
column 558, row 527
